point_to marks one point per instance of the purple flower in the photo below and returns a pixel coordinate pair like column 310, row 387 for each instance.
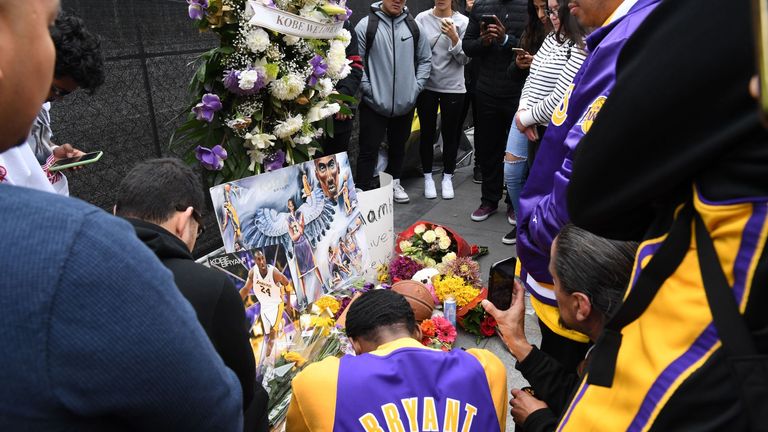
column 211, row 158
column 197, row 9
column 402, row 268
column 319, row 67
column 205, row 109
column 274, row 161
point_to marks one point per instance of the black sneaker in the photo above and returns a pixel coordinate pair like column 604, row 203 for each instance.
column 510, row 238
column 477, row 176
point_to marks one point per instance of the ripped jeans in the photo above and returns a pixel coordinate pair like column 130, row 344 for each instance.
column 515, row 165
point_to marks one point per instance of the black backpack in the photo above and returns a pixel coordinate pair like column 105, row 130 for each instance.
column 373, row 26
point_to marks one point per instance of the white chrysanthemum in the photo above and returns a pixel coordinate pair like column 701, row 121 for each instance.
column 450, row 256
column 429, row 236
column 324, row 87
column 291, row 40
column 248, row 79
column 257, row 40
column 303, row 140
column 289, row 126
column 322, row 110
column 287, row 87
column 259, row 140
column 420, row 228
column 344, row 36
column 338, row 63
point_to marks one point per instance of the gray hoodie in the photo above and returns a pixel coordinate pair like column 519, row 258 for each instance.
column 391, row 83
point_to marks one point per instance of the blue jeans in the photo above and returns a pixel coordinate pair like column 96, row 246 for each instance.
column 515, row 172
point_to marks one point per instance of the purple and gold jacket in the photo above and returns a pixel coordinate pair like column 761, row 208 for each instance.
column 543, row 209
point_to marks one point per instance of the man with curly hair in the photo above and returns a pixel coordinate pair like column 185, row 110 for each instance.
column 78, row 65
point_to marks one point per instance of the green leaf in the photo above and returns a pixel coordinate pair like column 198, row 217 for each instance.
column 342, row 98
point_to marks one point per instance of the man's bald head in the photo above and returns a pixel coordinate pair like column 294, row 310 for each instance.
column 26, row 64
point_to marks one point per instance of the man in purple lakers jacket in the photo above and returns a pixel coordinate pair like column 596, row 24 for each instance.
column 394, row 383
column 543, row 209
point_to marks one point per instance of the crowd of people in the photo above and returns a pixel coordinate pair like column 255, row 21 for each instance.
column 642, row 241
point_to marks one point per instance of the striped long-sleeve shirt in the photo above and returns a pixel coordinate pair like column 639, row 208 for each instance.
column 552, row 71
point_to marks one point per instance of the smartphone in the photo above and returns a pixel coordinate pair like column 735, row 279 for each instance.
column 520, row 51
column 760, row 14
column 488, row 19
column 72, row 162
column 501, row 280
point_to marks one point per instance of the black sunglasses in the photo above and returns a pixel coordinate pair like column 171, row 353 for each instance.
column 196, row 216
column 550, row 12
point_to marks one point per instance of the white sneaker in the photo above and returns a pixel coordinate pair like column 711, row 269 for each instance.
column 429, row 187
column 398, row 192
column 447, row 186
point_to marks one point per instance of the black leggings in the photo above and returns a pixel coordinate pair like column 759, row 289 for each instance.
column 451, row 105
column 373, row 128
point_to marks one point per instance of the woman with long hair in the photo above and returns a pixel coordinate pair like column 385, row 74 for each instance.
column 551, row 72
column 444, row 28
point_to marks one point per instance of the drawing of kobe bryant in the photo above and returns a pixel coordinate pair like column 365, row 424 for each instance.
column 230, row 219
column 298, row 230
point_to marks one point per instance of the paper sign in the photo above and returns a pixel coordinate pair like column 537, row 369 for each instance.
column 379, row 225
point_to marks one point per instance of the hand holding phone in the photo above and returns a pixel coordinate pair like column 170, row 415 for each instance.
column 76, row 161
column 520, row 51
column 510, row 322
column 488, row 19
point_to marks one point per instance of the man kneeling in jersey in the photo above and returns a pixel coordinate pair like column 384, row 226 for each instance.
column 394, row 383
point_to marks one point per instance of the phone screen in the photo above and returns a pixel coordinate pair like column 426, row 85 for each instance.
column 500, row 282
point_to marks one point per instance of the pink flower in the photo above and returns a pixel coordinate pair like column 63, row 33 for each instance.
column 445, row 331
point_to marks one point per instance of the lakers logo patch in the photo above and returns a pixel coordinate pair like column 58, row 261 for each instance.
column 561, row 113
column 589, row 118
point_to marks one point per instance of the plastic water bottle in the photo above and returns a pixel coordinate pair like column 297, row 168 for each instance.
column 449, row 310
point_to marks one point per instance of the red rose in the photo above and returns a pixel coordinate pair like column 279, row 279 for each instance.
column 488, row 326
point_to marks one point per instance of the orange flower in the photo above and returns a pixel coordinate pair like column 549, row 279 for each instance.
column 428, row 328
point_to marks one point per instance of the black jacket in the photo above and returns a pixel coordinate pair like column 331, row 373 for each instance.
column 219, row 309
column 490, row 63
column 551, row 383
